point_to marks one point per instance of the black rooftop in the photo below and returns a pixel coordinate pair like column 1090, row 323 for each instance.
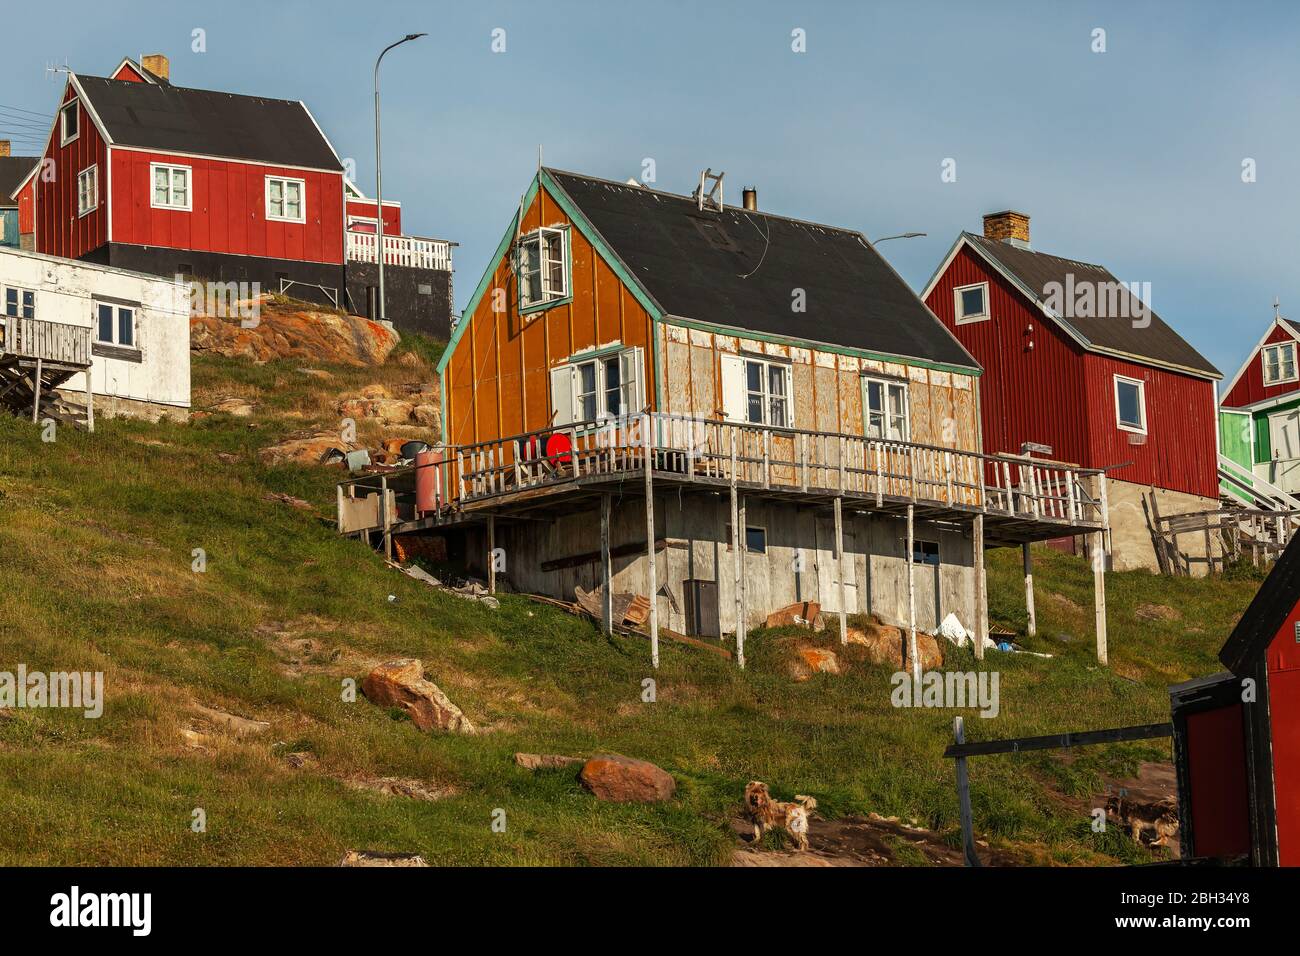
column 740, row 269
column 1273, row 602
column 210, row 123
column 13, row 170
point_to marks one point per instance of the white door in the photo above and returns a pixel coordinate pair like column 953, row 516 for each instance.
column 828, row 569
column 1284, row 435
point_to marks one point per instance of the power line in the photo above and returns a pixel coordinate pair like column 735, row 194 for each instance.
column 19, row 109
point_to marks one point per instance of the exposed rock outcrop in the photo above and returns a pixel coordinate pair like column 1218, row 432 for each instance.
column 401, row 683
column 283, row 332
column 620, row 779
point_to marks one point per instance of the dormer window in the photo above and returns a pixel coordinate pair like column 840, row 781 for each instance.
column 68, row 123
column 543, row 268
column 971, row 302
column 1279, row 363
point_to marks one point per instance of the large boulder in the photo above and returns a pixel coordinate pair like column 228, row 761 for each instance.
column 622, row 779
column 304, row 448
column 401, row 684
column 885, row 644
column 281, row 332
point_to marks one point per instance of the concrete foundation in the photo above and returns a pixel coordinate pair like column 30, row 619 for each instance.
column 1132, row 545
column 110, row 406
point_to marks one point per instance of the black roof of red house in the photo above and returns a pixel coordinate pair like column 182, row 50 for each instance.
column 177, row 119
column 1273, row 603
column 1035, row 270
column 13, row 170
column 739, row 268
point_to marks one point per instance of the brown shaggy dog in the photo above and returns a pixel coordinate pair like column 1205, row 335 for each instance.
column 766, row 813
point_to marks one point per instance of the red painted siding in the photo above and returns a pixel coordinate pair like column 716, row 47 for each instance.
column 1250, row 387
column 128, row 73
column 60, row 231
column 366, row 207
column 1057, row 394
column 27, row 208
column 228, row 213
column 1216, row 766
column 1283, row 659
column 1026, row 394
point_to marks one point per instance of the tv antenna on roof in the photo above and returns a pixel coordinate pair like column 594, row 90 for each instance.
column 1277, row 307
column 713, row 198
column 52, row 68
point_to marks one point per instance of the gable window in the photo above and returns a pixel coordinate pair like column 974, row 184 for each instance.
column 19, row 303
column 171, row 186
column 885, row 409
column 69, row 117
column 1130, row 404
column 285, row 199
column 1279, row 363
column 87, row 190
column 597, row 388
column 543, row 268
column 767, row 393
column 971, row 302
column 115, row 325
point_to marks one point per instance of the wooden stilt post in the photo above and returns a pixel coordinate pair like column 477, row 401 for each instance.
column 911, row 600
column 981, row 588
column 1099, row 591
column 90, row 403
column 839, row 551
column 1028, row 559
column 737, row 556
column 385, row 517
column 36, row 391
column 648, row 439
column 492, row 553
column 742, row 627
column 963, row 797
column 606, row 567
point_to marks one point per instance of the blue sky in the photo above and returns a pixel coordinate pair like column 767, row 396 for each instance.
column 1131, row 157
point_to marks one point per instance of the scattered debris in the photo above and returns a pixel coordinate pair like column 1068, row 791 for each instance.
column 401, row 683
column 545, row 761
column 379, row 858
column 304, row 448
column 289, row 500
column 800, row 614
column 471, row 591
column 630, row 609
column 620, row 779
column 956, row 633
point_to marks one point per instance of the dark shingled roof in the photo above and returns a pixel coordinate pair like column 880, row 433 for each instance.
column 1156, row 342
column 1273, row 602
column 175, row 119
column 739, row 269
column 13, row 170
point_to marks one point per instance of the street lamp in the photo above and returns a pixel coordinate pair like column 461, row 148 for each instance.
column 379, row 177
column 902, row 235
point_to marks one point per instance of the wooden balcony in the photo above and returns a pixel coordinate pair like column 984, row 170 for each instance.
column 411, row 251
column 1021, row 499
column 56, row 343
column 36, row 357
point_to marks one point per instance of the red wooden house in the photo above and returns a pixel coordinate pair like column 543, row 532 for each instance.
column 1237, row 734
column 1079, row 369
column 160, row 178
column 15, row 207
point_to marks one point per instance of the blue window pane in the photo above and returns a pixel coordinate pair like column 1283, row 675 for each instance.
column 105, row 313
column 125, row 327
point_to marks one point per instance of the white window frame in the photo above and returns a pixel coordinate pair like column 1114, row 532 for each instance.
column 551, row 292
column 629, row 387
column 887, row 423
column 302, row 199
column 88, row 199
column 1280, row 348
column 72, row 104
column 765, row 393
column 118, row 308
column 172, row 169
column 1142, row 405
column 4, row 302
column 957, row 306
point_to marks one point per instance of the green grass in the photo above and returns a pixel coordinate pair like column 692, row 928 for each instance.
column 97, row 534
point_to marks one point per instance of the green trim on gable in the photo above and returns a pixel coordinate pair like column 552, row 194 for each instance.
column 822, row 346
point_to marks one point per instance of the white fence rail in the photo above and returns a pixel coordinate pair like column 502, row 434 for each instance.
column 400, row 251
column 48, row 341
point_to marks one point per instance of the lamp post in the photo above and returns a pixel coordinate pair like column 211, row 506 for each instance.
column 379, row 177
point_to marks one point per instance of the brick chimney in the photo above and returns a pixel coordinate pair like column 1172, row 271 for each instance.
column 4, row 147
column 157, row 64
column 1007, row 226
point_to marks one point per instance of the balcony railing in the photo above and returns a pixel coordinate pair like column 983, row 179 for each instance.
column 48, row 341
column 400, row 251
column 692, row 450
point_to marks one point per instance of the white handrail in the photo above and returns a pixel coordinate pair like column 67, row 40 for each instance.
column 411, row 251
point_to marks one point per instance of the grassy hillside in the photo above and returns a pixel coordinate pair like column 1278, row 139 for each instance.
column 96, row 540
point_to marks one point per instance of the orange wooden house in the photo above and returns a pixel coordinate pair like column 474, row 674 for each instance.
column 640, row 372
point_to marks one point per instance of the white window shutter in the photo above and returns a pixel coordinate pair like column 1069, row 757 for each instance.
column 733, row 388
column 562, row 395
column 632, row 371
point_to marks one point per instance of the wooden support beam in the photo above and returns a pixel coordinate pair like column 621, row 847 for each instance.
column 652, row 582
column 911, row 598
column 90, row 404
column 737, row 542
column 386, row 518
column 36, row 391
column 981, row 588
column 1028, row 560
column 742, row 627
column 839, row 552
column 606, row 567
column 1065, row 741
column 492, row 553
column 1099, row 591
column 963, row 797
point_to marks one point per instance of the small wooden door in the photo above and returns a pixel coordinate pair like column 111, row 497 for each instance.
column 828, row 565
column 1284, row 437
